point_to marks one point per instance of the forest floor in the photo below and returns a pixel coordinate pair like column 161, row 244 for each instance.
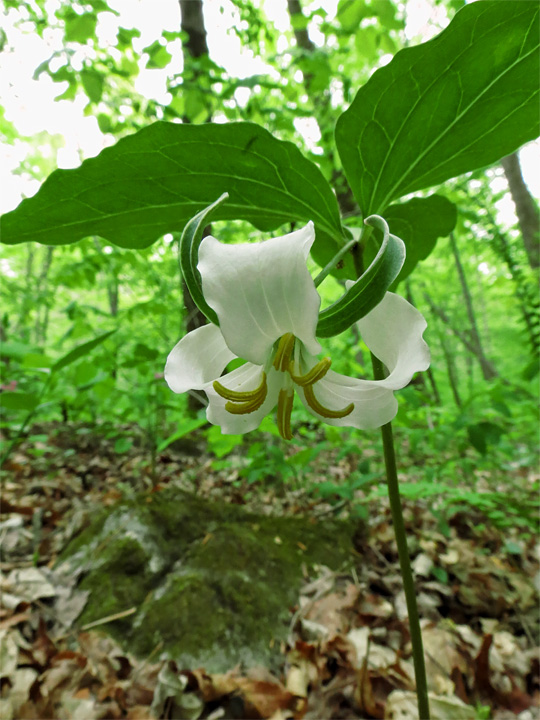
column 348, row 654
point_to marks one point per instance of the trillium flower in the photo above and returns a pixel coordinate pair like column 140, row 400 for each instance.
column 268, row 307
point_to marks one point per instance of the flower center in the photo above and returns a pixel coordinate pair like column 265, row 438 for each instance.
column 241, row 403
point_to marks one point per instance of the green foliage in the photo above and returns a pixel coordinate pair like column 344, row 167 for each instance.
column 80, row 351
column 484, row 434
column 458, row 102
column 419, row 223
column 152, row 182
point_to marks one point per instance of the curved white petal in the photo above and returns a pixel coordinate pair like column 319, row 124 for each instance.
column 393, row 332
column 374, row 404
column 261, row 291
column 246, row 377
column 199, row 357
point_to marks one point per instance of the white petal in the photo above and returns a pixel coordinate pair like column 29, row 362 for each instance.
column 260, row 291
column 393, row 332
column 247, row 377
column 374, row 404
column 199, row 357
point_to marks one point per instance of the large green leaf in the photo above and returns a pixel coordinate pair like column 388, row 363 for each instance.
column 154, row 181
column 458, row 102
column 419, row 223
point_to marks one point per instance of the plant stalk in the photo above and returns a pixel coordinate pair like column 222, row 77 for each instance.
column 404, row 560
column 334, row 261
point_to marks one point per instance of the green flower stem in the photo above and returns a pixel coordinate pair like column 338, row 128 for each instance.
column 334, row 261
column 404, row 560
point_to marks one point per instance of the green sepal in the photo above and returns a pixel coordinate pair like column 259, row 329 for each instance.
column 189, row 257
column 368, row 291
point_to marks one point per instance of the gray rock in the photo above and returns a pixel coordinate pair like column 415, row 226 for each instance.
column 213, row 585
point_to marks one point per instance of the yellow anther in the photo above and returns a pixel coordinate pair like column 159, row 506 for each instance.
column 315, row 405
column 242, row 403
column 284, row 410
column 284, row 352
column 316, row 373
column 244, row 408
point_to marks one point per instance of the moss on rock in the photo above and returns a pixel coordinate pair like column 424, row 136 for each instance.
column 212, row 584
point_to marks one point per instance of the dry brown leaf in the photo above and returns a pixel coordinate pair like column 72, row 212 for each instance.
column 403, row 705
column 329, row 610
column 265, row 698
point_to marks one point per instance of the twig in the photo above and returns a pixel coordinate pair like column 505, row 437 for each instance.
column 109, row 618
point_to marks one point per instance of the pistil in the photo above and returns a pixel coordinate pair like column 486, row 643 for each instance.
column 284, row 352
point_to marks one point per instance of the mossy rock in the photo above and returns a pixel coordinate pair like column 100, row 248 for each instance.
column 212, row 583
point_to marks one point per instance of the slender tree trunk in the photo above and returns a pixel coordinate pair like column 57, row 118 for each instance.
column 526, row 294
column 192, row 23
column 461, row 335
column 488, row 371
column 301, row 34
column 195, row 46
column 526, row 208
column 27, row 301
column 42, row 311
column 429, row 373
column 450, row 368
column 113, row 291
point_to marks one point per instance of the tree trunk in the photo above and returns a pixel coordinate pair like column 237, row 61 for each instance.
column 321, row 105
column 526, row 293
column 192, row 23
column 42, row 313
column 301, row 34
column 451, row 368
column 28, row 299
column 488, row 371
column 526, row 208
column 429, row 374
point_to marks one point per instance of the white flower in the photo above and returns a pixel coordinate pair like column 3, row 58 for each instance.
column 268, row 307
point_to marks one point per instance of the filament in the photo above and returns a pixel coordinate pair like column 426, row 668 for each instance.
column 316, row 373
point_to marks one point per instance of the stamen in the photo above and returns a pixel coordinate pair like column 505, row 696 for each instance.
column 315, row 405
column 245, row 408
column 284, row 410
column 316, row 373
column 284, row 352
column 236, row 396
column 242, row 403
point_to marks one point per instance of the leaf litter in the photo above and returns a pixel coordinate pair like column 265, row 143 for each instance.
column 348, row 653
